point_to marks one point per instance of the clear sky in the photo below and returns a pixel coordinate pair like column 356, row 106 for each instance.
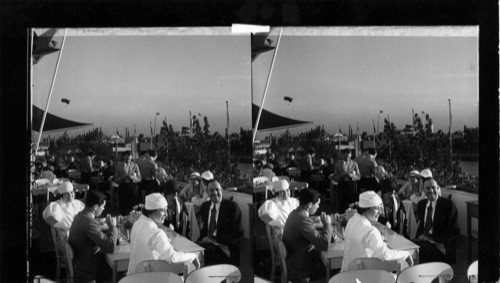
column 116, row 81
column 344, row 80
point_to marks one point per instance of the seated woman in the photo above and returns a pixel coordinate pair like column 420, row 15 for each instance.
column 194, row 191
column 413, row 186
column 362, row 239
column 275, row 211
column 148, row 241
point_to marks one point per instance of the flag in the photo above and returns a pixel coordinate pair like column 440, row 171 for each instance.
column 157, row 113
column 260, row 44
column 44, row 45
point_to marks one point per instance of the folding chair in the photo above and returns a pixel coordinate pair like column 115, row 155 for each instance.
column 228, row 272
column 426, row 273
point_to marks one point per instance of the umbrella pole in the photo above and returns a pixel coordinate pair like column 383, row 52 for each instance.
column 51, row 89
column 265, row 90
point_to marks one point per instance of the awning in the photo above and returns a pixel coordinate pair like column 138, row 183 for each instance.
column 54, row 123
column 272, row 122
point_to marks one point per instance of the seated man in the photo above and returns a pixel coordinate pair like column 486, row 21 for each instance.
column 60, row 213
column 303, row 241
column 176, row 209
column 88, row 241
column 362, row 239
column 221, row 228
column 393, row 209
column 437, row 228
column 275, row 211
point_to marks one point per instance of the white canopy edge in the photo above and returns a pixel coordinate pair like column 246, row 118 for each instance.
column 238, row 29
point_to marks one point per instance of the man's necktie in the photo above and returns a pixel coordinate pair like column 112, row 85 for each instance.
column 428, row 220
column 211, row 227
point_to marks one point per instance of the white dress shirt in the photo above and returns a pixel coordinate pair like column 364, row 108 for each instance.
column 148, row 242
column 278, row 210
column 362, row 239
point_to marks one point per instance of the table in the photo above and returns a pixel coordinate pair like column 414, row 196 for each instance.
column 472, row 211
column 411, row 219
column 120, row 258
column 332, row 258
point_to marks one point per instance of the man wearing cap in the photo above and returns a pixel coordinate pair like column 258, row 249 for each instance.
column 194, row 188
column 60, row 213
column 437, row 226
column 367, row 164
column 221, row 228
column 303, row 241
column 88, row 241
column 275, row 211
column 362, row 239
column 346, row 173
column 147, row 167
column 149, row 241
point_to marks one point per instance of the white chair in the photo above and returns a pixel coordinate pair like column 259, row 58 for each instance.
column 363, row 276
column 152, row 277
column 426, row 273
column 393, row 266
column 472, row 272
column 228, row 272
column 178, row 268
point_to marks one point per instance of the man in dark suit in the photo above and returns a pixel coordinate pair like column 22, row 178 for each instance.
column 221, row 228
column 303, row 241
column 437, row 228
column 177, row 213
column 88, row 241
column 393, row 209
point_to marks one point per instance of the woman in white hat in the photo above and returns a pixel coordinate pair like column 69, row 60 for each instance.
column 275, row 211
column 194, row 191
column 413, row 186
column 148, row 241
column 362, row 239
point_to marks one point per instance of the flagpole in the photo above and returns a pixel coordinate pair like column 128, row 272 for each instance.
column 449, row 129
column 265, row 90
column 51, row 89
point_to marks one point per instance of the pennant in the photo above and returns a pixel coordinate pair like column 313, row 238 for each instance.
column 44, row 45
column 260, row 44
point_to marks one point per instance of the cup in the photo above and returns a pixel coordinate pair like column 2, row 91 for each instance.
column 113, row 220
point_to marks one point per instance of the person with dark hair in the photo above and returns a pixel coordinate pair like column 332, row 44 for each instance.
column 149, row 241
column 437, row 226
column 147, row 167
column 127, row 175
column 362, row 239
column 72, row 164
column 393, row 211
column 300, row 235
column 177, row 215
column 87, row 167
column 221, row 229
column 346, row 173
column 88, row 241
column 367, row 165
column 306, row 166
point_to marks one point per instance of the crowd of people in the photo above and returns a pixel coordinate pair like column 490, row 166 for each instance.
column 142, row 181
column 366, row 186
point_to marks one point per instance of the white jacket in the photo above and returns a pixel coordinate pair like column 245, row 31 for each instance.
column 147, row 242
column 362, row 239
column 63, row 213
column 278, row 210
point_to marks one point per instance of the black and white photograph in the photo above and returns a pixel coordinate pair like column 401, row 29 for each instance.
column 359, row 130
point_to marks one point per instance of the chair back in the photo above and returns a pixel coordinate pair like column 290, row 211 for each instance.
column 376, row 263
column 206, row 274
column 278, row 240
column 68, row 250
column 363, row 276
column 152, row 277
column 178, row 268
column 426, row 273
column 472, row 271
column 53, row 232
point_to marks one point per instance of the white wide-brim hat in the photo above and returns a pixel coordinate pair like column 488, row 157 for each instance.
column 65, row 187
column 426, row 173
column 280, row 185
column 414, row 173
column 195, row 175
column 369, row 199
column 155, row 201
column 207, row 175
